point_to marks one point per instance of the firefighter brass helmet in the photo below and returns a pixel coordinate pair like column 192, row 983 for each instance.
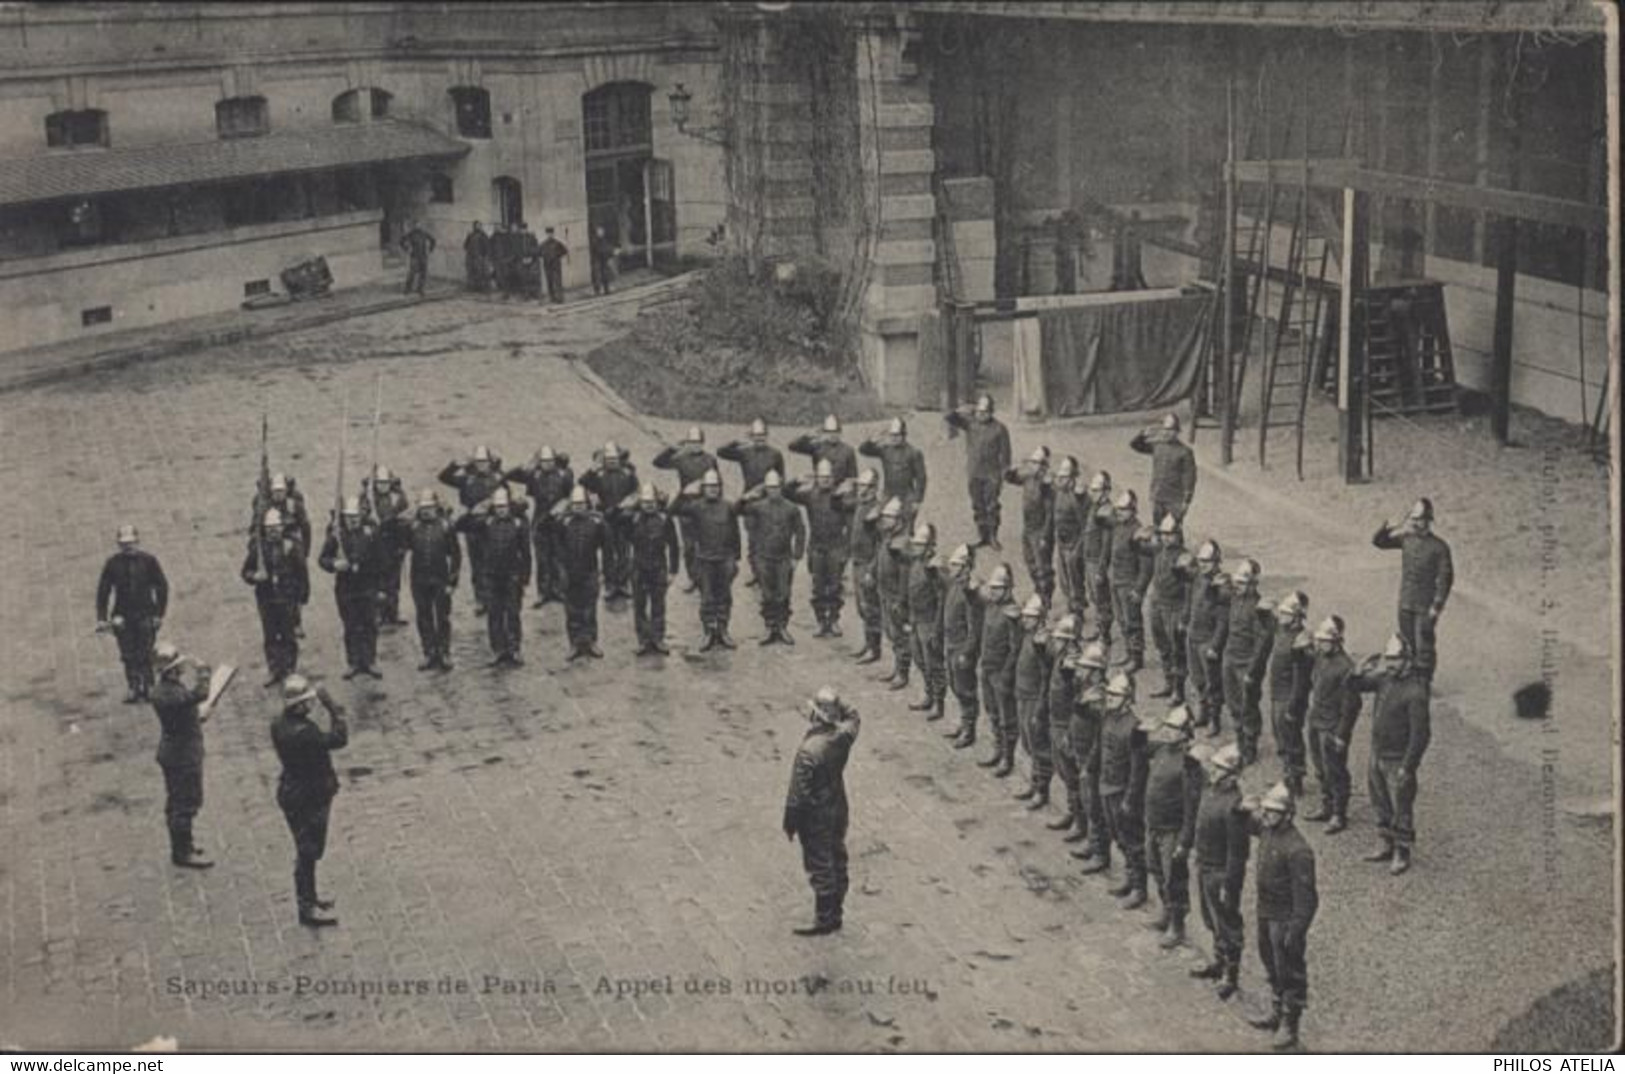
column 1093, row 656
column 297, row 688
column 1126, row 501
column 924, row 534
column 832, row 424
column 772, row 480
column 128, row 534
column 352, row 507
column 893, row 509
column 578, row 498
column 1034, row 608
column 1066, row 629
column 869, row 478
column 824, row 471
column 898, row 428
column 1247, row 573
column 1100, row 484
column 695, row 435
column 1330, row 629
column 1169, row 526
column 758, row 429
column 1001, row 578
column 711, row 480
column 165, row 656
column 1227, row 759
column 961, row 557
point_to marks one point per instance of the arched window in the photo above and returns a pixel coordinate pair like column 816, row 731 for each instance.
column 76, row 129
column 473, row 107
column 348, row 106
column 242, row 117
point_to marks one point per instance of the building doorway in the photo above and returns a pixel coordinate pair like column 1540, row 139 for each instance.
column 628, row 190
column 509, row 200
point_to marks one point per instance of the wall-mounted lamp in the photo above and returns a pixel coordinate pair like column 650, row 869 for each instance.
column 680, row 99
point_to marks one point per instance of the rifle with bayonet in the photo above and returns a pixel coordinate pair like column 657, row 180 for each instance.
column 262, row 499
column 372, row 482
column 340, row 562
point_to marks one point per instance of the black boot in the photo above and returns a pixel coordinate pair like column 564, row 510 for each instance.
column 1324, row 813
column 869, row 651
column 1176, row 932
column 723, row 638
column 1136, row 897
column 1270, row 1022
column 1065, row 821
column 1164, row 918
column 825, row 920
column 936, row 711
column 1401, row 862
column 183, row 853
column 1338, row 822
column 1228, row 987
column 1007, row 763
column 1286, row 1036
column 966, row 737
column 1125, row 888
column 902, row 680
column 1029, row 791
column 1096, row 859
column 710, row 640
column 1210, row 972
column 998, row 754
column 922, row 705
column 1080, row 827
column 1041, row 799
column 1382, row 853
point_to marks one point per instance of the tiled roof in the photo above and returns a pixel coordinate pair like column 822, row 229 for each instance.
column 82, row 172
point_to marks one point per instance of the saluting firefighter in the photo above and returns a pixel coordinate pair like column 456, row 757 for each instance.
column 352, row 553
column 1170, row 599
column 657, row 557
column 780, row 542
column 1070, row 509
column 1173, row 470
column 583, row 536
column 756, row 457
column 1094, row 555
column 1401, row 728
column 1088, row 715
column 475, row 479
column 307, row 785
column 891, row 577
column 180, row 748
column 1223, row 843
column 284, row 496
column 1062, row 700
column 1173, row 795
column 826, row 445
column 611, row 480
column 1032, row 703
column 1248, row 639
column 1122, row 788
column 388, row 511
column 1130, row 563
column 902, row 467
column 1284, row 877
column 547, row 480
column 132, row 596
column 1205, row 625
column 275, row 567
column 715, row 523
column 1334, row 707
column 1001, row 640
column 925, row 585
column 506, row 540
column 1292, row 661
column 691, row 462
column 987, row 457
column 829, row 542
column 1037, row 520
column 436, row 563
column 1426, row 575
column 962, row 641
column 865, row 547
column 816, row 808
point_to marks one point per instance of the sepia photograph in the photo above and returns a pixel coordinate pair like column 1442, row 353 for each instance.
column 911, row 526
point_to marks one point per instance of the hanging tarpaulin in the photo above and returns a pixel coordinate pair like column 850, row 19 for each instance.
column 1028, row 361
column 1123, row 357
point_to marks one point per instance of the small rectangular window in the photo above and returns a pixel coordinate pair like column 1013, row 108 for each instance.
column 256, row 287
column 440, row 189
column 96, row 315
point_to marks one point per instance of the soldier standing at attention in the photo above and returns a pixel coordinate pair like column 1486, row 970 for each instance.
column 1094, row 554
column 924, row 585
column 1062, row 700
column 783, row 541
column 308, row 783
column 505, row 259
column 962, row 640
column 1001, row 640
column 284, row 495
column 1292, row 660
column 987, row 457
column 507, row 573
column 436, row 563
column 548, row 480
column 1426, row 574
column 1222, row 844
column 611, row 480
column 1173, row 470
column 1129, row 567
column 891, row 578
column 902, row 467
column 1037, row 520
column 583, row 535
column 1088, row 713
column 1248, row 641
column 829, row 519
column 1032, row 703
column 863, row 496
column 418, row 244
column 388, row 511
column 1070, row 508
column 656, row 559
column 756, row 457
column 691, row 462
column 552, row 253
column 351, row 555
column 1173, row 794
column 180, row 748
column 131, row 598
column 275, row 567
column 1206, row 621
column 827, row 445
column 716, row 554
column 475, row 480
column 1170, row 599
column 1287, row 902
column 602, row 252
column 477, row 258
column 1122, row 786
column 816, row 806
column 1401, row 729
column 1334, row 706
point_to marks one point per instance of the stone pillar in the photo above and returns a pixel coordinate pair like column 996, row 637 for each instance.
column 771, row 210
column 896, row 117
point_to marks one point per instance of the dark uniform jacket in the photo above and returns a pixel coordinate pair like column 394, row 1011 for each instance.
column 1037, row 501
column 132, row 585
column 1132, row 560
column 306, row 754
column 902, row 468
column 1122, row 754
column 1426, row 572
column 504, row 247
column 287, row 579
column 828, row 447
column 829, row 515
column 1209, row 614
column 1001, row 636
column 1223, row 839
column 817, row 796
column 581, row 543
column 362, row 549
column 1069, row 509
column 987, row 446
column 925, row 587
column 545, row 487
column 507, row 549
column 1095, row 544
column 655, row 547
column 1401, row 727
column 891, row 571
column 1285, row 876
column 1292, row 661
column 436, row 558
column 551, row 250
column 176, row 702
column 1173, row 791
column 961, row 620
column 865, row 532
column 295, row 515
column 1062, row 690
column 393, row 509
column 1173, row 468
column 1334, row 703
column 611, row 487
column 417, row 243
column 1250, row 635
column 690, row 462
column 716, row 525
column 755, row 460
column 1170, row 585
column 1088, row 717
column 477, row 246
column 1032, row 665
column 778, row 531
column 473, row 487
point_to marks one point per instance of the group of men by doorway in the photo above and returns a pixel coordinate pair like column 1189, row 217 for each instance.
column 510, row 261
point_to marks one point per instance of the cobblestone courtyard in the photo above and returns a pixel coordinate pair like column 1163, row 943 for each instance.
column 539, row 845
